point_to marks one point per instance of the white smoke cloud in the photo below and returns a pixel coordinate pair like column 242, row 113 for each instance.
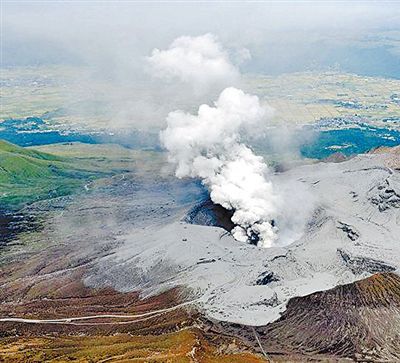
column 199, row 61
column 207, row 145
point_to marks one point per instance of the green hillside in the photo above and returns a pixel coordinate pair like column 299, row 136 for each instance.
column 28, row 175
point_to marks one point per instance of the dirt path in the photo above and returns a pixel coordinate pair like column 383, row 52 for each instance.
column 71, row 320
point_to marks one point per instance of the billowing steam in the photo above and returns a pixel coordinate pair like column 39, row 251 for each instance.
column 207, row 145
column 200, row 61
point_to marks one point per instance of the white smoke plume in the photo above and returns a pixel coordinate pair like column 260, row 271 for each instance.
column 208, row 145
column 199, row 61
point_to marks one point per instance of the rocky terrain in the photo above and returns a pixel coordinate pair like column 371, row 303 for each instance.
column 357, row 322
column 351, row 234
column 185, row 292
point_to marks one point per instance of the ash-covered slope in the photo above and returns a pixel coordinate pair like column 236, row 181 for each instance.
column 360, row 320
column 352, row 234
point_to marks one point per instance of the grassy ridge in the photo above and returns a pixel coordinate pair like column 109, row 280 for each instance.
column 31, row 174
column 184, row 346
column 28, row 175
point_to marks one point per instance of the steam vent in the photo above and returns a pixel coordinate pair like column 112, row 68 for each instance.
column 207, row 183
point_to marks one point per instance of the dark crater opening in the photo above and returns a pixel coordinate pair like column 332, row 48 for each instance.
column 207, row 213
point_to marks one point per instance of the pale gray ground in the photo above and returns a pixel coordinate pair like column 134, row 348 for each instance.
column 353, row 232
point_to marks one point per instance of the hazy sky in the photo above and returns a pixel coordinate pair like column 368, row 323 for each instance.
column 114, row 36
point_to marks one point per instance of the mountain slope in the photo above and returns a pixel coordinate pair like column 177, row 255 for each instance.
column 360, row 321
column 28, row 175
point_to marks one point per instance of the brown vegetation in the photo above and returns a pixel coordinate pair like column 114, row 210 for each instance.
column 186, row 345
column 359, row 321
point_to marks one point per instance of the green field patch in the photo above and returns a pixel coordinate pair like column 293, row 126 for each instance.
column 28, row 175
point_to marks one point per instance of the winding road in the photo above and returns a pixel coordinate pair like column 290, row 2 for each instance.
column 72, row 320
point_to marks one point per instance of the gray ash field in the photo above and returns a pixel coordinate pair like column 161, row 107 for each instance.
column 208, row 183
